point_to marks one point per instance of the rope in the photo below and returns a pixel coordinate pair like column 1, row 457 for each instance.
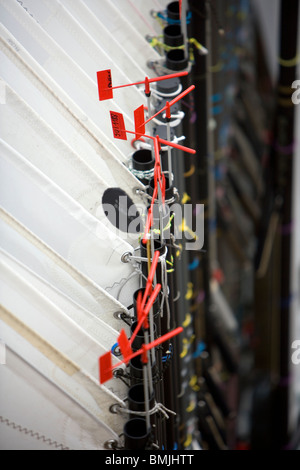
column 165, row 291
column 158, row 407
column 167, row 95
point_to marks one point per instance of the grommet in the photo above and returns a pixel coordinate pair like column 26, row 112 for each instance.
column 111, row 444
column 118, row 315
column 113, row 409
column 125, row 257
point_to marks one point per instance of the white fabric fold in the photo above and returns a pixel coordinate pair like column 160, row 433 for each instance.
column 72, row 58
column 46, row 418
column 32, row 252
column 60, row 222
column 70, row 109
column 41, row 146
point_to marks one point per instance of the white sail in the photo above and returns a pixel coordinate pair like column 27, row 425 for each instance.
column 60, row 420
column 70, row 230
column 36, row 255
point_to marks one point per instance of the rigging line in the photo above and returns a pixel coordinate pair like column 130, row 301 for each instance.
column 85, row 282
column 158, row 407
column 141, row 16
column 164, row 282
column 126, row 280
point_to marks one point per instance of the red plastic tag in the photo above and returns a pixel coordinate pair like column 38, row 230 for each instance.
column 144, row 357
column 104, row 85
column 148, row 225
column 139, row 118
column 168, row 110
column 118, row 126
column 124, row 345
column 147, row 86
column 157, row 150
column 105, row 367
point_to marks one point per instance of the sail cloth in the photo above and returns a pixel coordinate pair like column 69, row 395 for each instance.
column 69, row 108
column 59, row 422
column 62, row 278
column 39, row 313
column 23, row 245
column 69, row 54
column 64, row 225
column 60, row 369
column 130, row 65
column 17, row 82
column 138, row 15
column 93, row 326
column 123, row 30
column 56, row 160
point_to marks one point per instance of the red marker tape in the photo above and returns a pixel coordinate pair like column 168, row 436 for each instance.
column 147, row 86
column 168, row 110
column 118, row 126
column 119, row 131
column 124, row 345
column 175, row 100
column 107, row 373
column 157, row 150
column 148, row 225
column 145, row 312
column 105, row 367
column 139, row 118
column 144, row 357
column 104, row 85
column 153, row 344
column 105, row 88
column 164, row 338
column 150, row 278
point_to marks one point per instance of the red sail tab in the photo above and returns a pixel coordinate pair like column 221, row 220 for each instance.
column 139, row 118
column 164, row 338
column 104, row 85
column 168, row 110
column 156, row 142
column 145, row 312
column 118, row 125
column 147, row 87
column 148, row 225
column 175, row 100
column 124, row 345
column 105, row 367
column 152, row 298
column 150, row 278
column 144, row 357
